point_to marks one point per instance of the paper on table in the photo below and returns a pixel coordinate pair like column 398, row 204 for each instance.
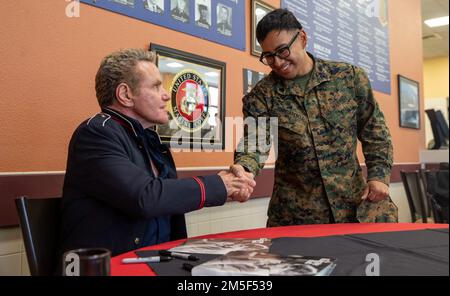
column 222, row 246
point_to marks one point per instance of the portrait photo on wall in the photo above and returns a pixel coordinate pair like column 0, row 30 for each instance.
column 124, row 2
column 179, row 10
column 251, row 78
column 259, row 10
column 196, row 86
column 203, row 13
column 219, row 21
column 224, row 19
column 409, row 102
column 156, row 6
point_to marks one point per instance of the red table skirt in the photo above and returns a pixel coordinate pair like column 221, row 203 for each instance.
column 142, row 269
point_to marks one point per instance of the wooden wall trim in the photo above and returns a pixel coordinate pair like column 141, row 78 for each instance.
column 50, row 185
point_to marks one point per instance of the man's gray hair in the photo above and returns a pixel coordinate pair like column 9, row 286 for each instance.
column 120, row 67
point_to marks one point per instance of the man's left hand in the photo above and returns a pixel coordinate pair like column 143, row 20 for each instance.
column 375, row 191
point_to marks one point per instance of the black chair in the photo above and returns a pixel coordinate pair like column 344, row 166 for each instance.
column 419, row 204
column 40, row 222
column 439, row 127
column 437, row 192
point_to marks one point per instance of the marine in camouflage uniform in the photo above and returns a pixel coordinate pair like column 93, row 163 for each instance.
column 318, row 178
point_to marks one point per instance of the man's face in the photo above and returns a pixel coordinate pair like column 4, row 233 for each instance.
column 289, row 67
column 223, row 13
column 151, row 101
column 204, row 13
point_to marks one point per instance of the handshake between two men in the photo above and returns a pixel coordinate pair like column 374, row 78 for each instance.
column 238, row 182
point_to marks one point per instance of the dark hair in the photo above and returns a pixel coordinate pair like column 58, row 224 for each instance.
column 279, row 19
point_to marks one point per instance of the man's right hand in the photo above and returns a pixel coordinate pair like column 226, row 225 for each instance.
column 239, row 171
column 239, row 186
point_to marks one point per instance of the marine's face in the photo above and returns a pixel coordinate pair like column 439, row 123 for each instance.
column 288, row 67
column 223, row 14
column 204, row 13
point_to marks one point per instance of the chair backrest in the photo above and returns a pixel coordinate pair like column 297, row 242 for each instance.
column 40, row 222
column 437, row 134
column 443, row 127
column 437, row 191
column 416, row 195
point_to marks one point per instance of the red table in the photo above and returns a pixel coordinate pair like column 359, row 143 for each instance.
column 119, row 269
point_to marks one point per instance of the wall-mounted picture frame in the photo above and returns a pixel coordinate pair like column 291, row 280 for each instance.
column 219, row 21
column 409, row 102
column 196, row 86
column 251, row 78
column 259, row 10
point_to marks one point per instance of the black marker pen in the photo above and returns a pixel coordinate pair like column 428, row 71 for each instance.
column 178, row 255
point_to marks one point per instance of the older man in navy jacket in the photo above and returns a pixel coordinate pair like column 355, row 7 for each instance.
column 121, row 189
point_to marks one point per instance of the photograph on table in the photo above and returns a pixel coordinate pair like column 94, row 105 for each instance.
column 223, row 246
column 254, row 263
column 409, row 102
column 196, row 86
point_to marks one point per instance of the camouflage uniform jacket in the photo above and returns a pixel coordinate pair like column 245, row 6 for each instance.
column 318, row 178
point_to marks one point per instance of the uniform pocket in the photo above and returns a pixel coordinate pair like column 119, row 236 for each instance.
column 339, row 109
column 291, row 118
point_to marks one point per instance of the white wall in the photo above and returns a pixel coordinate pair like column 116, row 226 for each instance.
column 232, row 216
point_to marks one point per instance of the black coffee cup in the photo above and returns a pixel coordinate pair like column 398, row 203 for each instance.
column 87, row 262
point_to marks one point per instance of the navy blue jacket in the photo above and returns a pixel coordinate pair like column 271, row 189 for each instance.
column 111, row 197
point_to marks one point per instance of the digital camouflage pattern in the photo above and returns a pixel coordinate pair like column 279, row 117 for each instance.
column 384, row 211
column 318, row 178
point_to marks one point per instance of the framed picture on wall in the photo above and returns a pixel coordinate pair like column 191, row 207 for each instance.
column 409, row 102
column 251, row 78
column 259, row 10
column 196, row 86
column 220, row 21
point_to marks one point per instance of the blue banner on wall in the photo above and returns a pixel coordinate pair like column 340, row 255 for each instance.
column 221, row 21
column 353, row 31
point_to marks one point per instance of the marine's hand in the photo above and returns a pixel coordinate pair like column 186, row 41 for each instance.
column 375, row 191
column 239, row 171
column 238, row 188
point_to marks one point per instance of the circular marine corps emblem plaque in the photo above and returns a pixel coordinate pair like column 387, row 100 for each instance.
column 189, row 100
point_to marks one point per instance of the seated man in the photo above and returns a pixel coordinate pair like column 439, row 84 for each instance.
column 121, row 190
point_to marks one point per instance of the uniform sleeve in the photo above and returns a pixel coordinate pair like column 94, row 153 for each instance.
column 373, row 132
column 253, row 149
column 101, row 167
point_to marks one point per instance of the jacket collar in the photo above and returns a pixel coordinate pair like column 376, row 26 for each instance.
column 321, row 73
column 133, row 126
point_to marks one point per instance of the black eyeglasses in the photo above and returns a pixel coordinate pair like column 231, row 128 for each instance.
column 268, row 58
